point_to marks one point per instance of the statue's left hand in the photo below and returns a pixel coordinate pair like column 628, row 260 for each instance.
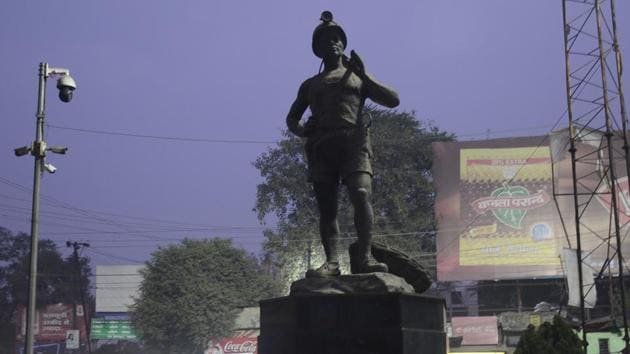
column 356, row 64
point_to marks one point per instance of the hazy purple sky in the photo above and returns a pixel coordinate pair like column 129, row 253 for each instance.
column 228, row 70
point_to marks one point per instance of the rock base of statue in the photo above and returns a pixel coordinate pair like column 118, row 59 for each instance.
column 372, row 283
column 363, row 323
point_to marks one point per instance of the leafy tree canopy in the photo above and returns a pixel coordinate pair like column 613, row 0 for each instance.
column 58, row 279
column 550, row 338
column 403, row 195
column 192, row 292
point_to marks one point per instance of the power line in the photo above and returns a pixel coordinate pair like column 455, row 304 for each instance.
column 108, row 255
column 266, row 142
column 243, row 238
column 162, row 137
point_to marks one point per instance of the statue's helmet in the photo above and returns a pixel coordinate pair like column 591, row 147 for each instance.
column 327, row 25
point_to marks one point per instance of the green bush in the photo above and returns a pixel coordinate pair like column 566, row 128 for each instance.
column 556, row 338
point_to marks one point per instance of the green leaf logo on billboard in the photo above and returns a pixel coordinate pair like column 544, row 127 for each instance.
column 509, row 204
column 510, row 216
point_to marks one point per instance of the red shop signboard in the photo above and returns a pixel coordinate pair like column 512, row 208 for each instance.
column 243, row 342
column 52, row 322
column 477, row 330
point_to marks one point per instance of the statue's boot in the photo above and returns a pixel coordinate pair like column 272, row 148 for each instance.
column 326, row 270
column 367, row 266
column 360, row 262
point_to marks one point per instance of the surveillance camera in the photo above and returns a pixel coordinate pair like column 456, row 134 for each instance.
column 66, row 86
column 57, row 149
column 50, row 168
column 21, row 151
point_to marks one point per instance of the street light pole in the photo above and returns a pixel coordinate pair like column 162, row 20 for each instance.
column 66, row 86
column 37, row 177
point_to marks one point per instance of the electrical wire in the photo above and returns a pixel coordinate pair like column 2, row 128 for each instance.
column 266, row 142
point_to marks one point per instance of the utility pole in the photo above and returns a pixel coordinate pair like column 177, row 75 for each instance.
column 75, row 254
column 38, row 149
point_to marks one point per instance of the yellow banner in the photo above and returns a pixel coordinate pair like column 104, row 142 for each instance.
column 512, row 249
column 519, row 164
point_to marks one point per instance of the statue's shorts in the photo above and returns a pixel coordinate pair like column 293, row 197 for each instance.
column 333, row 155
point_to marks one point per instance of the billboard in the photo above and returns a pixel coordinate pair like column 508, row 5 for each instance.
column 480, row 330
column 49, row 348
column 116, row 287
column 241, row 342
column 496, row 212
column 594, row 195
column 52, row 323
column 102, row 328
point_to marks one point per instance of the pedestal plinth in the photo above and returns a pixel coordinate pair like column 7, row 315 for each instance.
column 352, row 324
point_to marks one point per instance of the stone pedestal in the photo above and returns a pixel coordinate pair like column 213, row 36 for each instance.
column 390, row 323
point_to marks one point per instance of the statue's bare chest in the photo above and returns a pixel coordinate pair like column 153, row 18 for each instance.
column 334, row 86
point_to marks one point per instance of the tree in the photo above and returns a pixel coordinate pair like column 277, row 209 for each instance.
column 191, row 292
column 550, row 338
column 58, row 280
column 403, row 196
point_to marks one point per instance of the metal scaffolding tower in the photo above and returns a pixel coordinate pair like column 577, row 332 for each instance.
column 597, row 143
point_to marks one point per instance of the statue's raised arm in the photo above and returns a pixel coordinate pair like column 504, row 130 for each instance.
column 375, row 90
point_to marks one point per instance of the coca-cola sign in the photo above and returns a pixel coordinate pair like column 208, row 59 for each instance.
column 240, row 345
column 244, row 342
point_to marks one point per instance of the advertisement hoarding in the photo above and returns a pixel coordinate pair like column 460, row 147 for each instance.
column 479, row 330
column 241, row 342
column 52, row 323
column 496, row 212
column 597, row 224
column 49, row 348
column 111, row 297
column 111, row 329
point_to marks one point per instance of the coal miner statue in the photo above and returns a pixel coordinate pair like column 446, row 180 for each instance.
column 338, row 148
